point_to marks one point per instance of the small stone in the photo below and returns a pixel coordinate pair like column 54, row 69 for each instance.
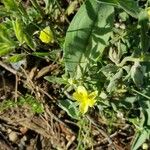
column 9, row 130
column 13, row 136
column 23, row 130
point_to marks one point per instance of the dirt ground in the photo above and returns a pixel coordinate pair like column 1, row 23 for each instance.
column 22, row 129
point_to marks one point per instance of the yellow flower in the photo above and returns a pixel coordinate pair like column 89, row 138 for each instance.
column 46, row 35
column 84, row 98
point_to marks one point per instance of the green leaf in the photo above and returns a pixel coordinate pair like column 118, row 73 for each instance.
column 29, row 41
column 71, row 8
column 10, row 5
column 87, row 36
column 130, row 6
column 144, row 23
column 16, row 58
column 3, row 12
column 40, row 54
column 139, row 139
column 109, row 70
column 70, row 108
column 15, row 8
column 112, row 2
column 22, row 33
column 37, row 7
column 18, row 26
column 7, row 44
column 114, row 80
column 6, row 48
column 137, row 74
column 54, row 79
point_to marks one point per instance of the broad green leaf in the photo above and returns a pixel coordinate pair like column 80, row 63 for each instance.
column 16, row 58
column 87, row 36
column 70, row 108
column 130, row 6
column 144, row 23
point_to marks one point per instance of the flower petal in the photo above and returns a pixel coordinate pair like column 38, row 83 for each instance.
column 91, row 102
column 83, row 107
column 93, row 95
column 46, row 35
column 81, row 94
column 77, row 96
column 81, row 90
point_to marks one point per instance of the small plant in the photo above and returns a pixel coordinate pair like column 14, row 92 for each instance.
column 84, row 98
column 28, row 100
column 110, row 56
column 105, row 62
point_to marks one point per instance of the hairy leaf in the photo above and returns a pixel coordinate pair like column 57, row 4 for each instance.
column 87, row 36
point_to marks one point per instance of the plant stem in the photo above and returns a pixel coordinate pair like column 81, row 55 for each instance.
column 141, row 94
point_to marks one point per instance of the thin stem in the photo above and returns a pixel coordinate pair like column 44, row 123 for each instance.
column 37, row 6
column 141, row 94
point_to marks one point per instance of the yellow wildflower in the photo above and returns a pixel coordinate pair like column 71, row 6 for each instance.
column 46, row 35
column 84, row 98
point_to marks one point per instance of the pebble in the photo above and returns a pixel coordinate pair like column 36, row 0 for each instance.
column 13, row 136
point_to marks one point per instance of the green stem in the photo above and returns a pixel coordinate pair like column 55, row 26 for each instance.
column 141, row 94
column 37, row 7
column 128, row 59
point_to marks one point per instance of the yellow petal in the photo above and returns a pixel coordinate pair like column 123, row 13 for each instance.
column 81, row 94
column 91, row 102
column 83, row 107
column 81, row 90
column 93, row 95
column 46, row 35
column 77, row 96
column 91, row 98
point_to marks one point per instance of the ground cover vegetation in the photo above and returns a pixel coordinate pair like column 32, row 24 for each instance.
column 75, row 74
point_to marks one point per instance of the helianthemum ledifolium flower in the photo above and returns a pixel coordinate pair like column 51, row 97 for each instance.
column 84, row 98
column 46, row 35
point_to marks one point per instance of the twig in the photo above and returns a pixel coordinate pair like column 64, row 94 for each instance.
column 116, row 133
column 16, row 89
column 102, row 132
column 7, row 67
